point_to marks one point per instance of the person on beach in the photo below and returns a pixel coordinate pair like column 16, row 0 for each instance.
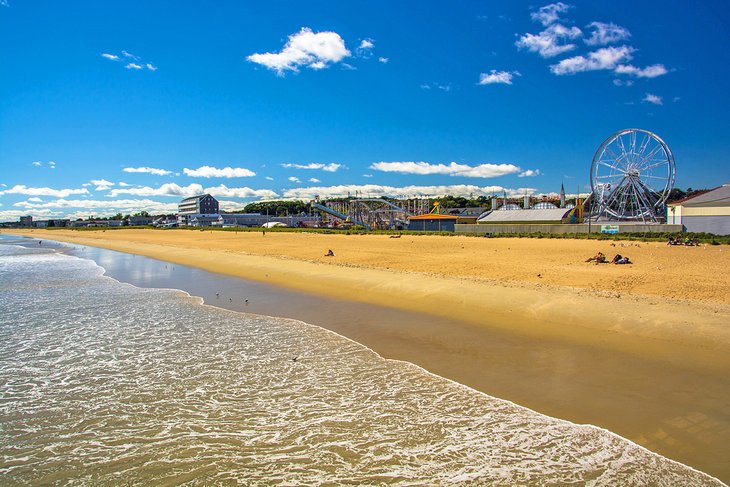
column 599, row 258
column 329, row 253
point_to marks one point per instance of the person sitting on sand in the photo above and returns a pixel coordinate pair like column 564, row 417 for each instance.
column 616, row 258
column 329, row 253
column 599, row 258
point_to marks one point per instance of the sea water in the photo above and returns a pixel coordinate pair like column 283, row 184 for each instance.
column 102, row 382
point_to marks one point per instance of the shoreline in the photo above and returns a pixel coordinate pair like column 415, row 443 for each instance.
column 602, row 366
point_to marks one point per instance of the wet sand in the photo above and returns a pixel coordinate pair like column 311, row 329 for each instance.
column 646, row 365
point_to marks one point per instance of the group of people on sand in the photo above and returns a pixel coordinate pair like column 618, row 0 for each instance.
column 686, row 241
column 618, row 259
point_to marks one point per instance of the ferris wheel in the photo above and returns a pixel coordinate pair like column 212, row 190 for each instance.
column 632, row 174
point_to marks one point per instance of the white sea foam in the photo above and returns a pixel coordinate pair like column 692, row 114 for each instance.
column 103, row 381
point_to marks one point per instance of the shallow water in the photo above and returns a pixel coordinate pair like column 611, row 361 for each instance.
column 104, row 383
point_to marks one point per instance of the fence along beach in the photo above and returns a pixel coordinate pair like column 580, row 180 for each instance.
column 640, row 350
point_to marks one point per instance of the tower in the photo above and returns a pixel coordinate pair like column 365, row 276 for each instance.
column 562, row 196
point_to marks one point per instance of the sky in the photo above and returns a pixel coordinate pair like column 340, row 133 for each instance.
column 115, row 106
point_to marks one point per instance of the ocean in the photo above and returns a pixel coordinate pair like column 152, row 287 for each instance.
column 102, row 382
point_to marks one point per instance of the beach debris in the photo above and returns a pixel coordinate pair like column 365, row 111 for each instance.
column 539, row 275
column 394, row 236
column 295, row 358
column 217, row 295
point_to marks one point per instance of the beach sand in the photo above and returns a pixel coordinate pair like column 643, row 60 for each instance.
column 641, row 350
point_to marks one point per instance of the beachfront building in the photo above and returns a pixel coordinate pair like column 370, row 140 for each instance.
column 432, row 222
column 708, row 212
column 203, row 205
column 542, row 215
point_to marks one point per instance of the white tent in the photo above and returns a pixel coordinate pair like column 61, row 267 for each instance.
column 273, row 224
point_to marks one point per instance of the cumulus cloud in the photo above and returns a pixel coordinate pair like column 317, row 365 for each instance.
column 654, row 99
column 383, row 60
column 151, row 67
column 148, row 170
column 167, row 189
column 621, row 82
column 305, row 48
column 550, row 42
column 529, row 173
column 497, row 77
column 133, row 66
column 214, row 172
column 332, row 167
column 604, row 58
column 376, row 190
column 438, row 86
column 314, row 180
column 111, row 57
column 366, row 44
column 606, row 34
column 35, row 199
column 101, row 184
column 56, row 193
column 112, row 206
column 550, row 13
column 648, row 72
column 49, row 164
column 226, row 192
column 451, row 169
column 294, row 179
column 172, row 189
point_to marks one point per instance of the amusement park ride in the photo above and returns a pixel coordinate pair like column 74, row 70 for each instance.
column 632, row 174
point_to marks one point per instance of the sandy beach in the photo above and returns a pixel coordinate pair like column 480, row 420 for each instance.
column 641, row 350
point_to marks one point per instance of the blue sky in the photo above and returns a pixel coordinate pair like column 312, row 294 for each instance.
column 122, row 106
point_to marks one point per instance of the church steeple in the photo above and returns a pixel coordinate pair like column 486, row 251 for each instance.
column 562, row 196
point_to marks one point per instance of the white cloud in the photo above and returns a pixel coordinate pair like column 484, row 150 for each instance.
column 130, row 55
column 111, row 57
column 50, row 164
column 332, row 167
column 133, row 66
column 172, row 189
column 226, row 192
column 305, row 48
column 294, row 179
column 367, row 175
column 497, row 77
column 428, row 86
column 376, row 190
column 451, row 169
column 366, row 44
column 621, row 82
column 648, row 72
column 549, row 13
column 604, row 58
column 151, row 67
column 167, row 189
column 269, row 178
column 214, row 172
column 314, row 180
column 383, row 60
column 651, row 98
column 529, row 173
column 549, row 42
column 57, row 193
column 101, row 184
column 35, row 199
column 606, row 34
column 148, row 170
column 124, row 185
